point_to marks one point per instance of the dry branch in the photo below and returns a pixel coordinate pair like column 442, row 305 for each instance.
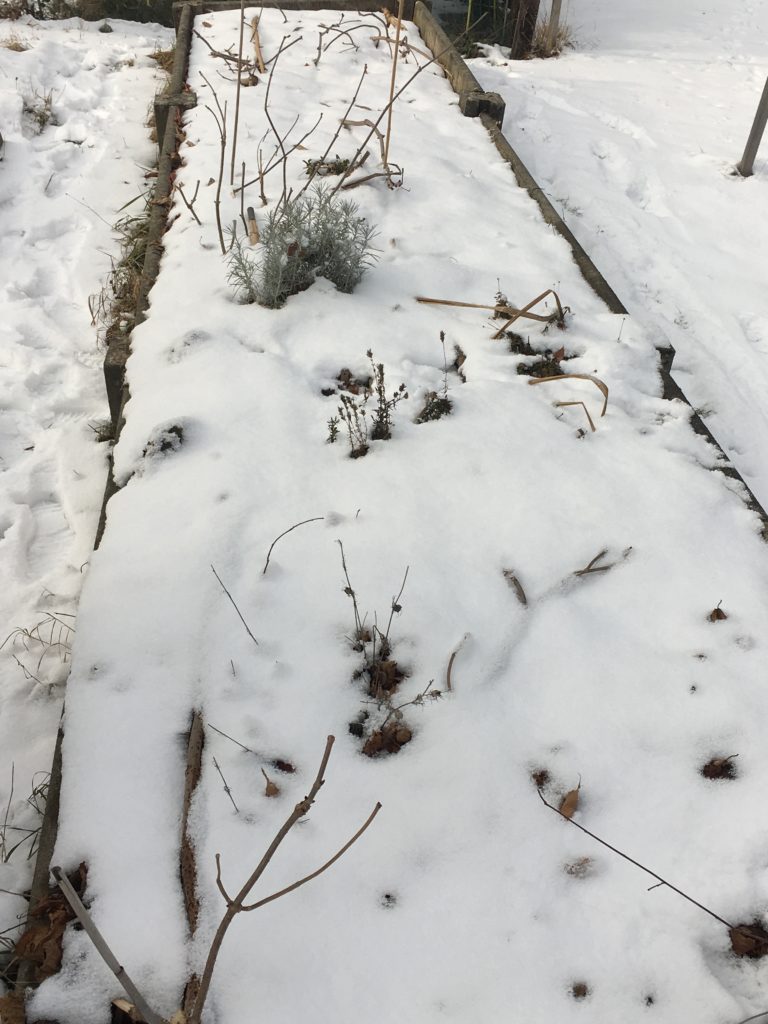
column 315, row 519
column 397, row 95
column 662, row 881
column 237, row 905
column 103, row 949
column 234, row 605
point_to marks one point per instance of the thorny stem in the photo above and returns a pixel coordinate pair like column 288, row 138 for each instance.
column 235, row 906
column 227, row 790
column 663, row 881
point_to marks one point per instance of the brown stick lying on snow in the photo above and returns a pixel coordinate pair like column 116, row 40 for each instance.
column 504, row 310
column 237, row 904
column 103, row 949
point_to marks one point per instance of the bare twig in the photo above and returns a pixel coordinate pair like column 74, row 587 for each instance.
column 349, row 591
column 396, row 603
column 233, row 740
column 392, row 81
column 103, row 949
column 315, row 519
column 314, row 874
column 324, row 157
column 227, row 790
column 237, row 94
column 221, row 124
column 234, row 605
column 663, row 881
column 399, row 93
column 237, row 905
column 190, row 203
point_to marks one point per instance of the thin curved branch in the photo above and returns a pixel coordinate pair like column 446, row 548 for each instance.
column 328, row 863
column 220, row 884
column 315, row 519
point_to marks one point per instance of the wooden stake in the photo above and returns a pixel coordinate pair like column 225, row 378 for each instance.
column 554, row 27
column 392, row 82
column 253, row 227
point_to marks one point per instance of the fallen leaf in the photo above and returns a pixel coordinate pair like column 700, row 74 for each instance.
column 271, row 788
column 570, row 802
column 717, row 614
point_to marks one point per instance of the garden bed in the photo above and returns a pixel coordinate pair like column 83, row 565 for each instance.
column 517, row 593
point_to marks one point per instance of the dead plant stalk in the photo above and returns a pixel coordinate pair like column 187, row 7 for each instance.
column 354, row 162
column 392, row 82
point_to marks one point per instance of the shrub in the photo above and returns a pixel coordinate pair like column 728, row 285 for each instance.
column 315, row 235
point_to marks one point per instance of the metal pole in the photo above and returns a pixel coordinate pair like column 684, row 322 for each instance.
column 750, row 151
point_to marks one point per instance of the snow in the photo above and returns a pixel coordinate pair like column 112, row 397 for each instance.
column 457, row 904
column 61, row 187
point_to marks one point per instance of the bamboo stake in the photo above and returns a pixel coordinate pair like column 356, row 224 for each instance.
column 257, row 45
column 392, row 82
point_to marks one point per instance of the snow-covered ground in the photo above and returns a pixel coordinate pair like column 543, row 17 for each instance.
column 467, row 900
column 634, row 135
column 73, row 102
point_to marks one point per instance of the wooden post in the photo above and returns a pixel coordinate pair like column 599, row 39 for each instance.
column 521, row 26
column 750, row 150
column 554, row 26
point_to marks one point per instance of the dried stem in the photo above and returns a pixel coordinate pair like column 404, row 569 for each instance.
column 237, row 94
column 221, row 124
column 236, row 905
column 392, row 82
column 234, row 605
column 315, row 519
column 190, row 203
column 324, row 157
column 399, row 93
column 349, row 591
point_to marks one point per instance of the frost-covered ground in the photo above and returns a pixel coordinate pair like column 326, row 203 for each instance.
column 467, row 900
column 73, row 102
column 634, row 135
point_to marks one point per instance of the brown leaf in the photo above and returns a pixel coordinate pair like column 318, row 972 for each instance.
column 717, row 614
column 570, row 802
column 560, row 354
column 208, row 24
column 271, row 788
